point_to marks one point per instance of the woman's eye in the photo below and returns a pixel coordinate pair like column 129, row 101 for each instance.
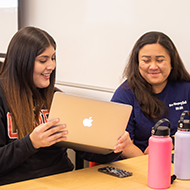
column 146, row 60
column 53, row 58
column 42, row 61
column 159, row 60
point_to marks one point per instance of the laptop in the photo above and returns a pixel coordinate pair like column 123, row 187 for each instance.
column 93, row 125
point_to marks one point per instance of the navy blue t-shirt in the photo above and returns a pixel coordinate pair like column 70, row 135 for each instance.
column 176, row 97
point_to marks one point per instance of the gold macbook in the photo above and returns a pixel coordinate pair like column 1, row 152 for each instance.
column 93, row 125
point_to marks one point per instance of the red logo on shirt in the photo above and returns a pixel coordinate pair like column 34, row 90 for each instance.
column 13, row 135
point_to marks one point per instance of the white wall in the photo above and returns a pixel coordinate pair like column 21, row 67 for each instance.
column 8, row 21
column 95, row 37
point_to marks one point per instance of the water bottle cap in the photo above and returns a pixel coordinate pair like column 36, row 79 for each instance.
column 162, row 131
column 158, row 130
column 184, row 124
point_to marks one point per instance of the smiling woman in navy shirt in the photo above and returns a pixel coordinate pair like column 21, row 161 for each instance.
column 157, row 86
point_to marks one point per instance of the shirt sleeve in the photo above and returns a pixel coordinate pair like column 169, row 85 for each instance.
column 15, row 153
column 125, row 95
column 12, row 154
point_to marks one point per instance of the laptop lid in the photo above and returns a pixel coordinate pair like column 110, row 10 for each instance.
column 93, row 125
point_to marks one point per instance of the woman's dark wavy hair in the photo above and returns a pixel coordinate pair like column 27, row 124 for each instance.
column 150, row 105
column 24, row 100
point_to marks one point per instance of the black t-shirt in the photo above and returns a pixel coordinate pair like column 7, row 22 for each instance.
column 19, row 160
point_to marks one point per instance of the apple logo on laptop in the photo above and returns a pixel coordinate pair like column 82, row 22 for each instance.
column 87, row 122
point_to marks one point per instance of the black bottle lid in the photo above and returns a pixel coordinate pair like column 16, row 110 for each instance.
column 162, row 131
column 184, row 123
column 158, row 130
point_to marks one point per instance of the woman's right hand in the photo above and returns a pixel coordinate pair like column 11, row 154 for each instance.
column 47, row 134
column 131, row 151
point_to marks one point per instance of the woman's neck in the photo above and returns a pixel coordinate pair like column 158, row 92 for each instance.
column 159, row 87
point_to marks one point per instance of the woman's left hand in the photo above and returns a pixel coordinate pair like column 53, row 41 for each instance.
column 123, row 141
column 146, row 150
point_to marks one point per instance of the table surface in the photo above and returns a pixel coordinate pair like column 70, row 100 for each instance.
column 90, row 178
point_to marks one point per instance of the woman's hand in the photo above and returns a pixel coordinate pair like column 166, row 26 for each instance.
column 47, row 134
column 123, row 141
column 146, row 150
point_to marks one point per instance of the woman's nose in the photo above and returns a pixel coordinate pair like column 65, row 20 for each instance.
column 51, row 64
column 153, row 65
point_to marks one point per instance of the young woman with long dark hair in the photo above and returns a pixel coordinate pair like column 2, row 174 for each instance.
column 27, row 138
column 157, row 85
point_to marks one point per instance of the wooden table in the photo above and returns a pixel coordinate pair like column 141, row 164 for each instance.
column 91, row 179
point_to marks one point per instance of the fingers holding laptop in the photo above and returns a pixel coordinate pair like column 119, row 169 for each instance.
column 123, row 141
column 47, row 134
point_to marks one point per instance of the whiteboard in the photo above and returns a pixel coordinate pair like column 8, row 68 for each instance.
column 95, row 37
column 8, row 21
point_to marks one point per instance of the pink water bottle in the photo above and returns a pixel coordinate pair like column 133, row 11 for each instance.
column 159, row 157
